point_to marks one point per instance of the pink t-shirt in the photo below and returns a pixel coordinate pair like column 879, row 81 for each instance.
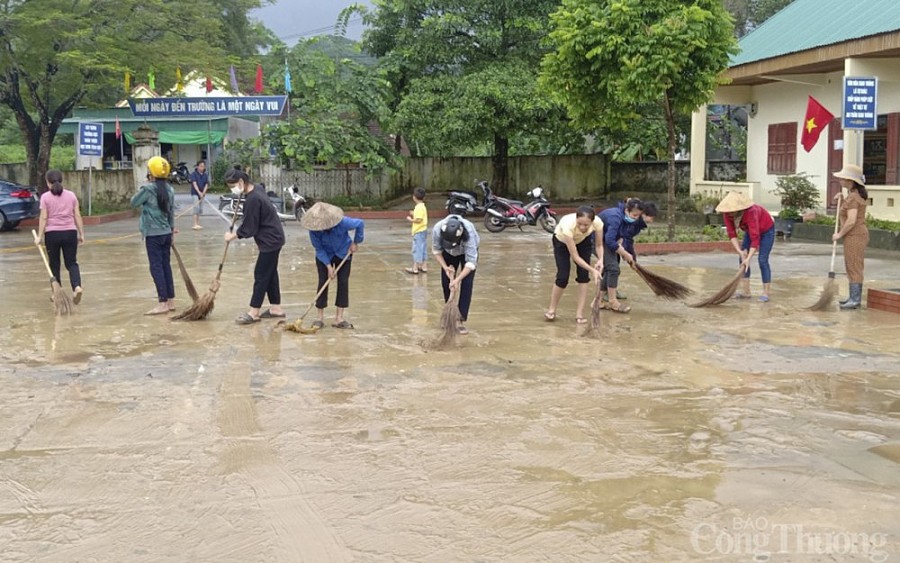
column 60, row 210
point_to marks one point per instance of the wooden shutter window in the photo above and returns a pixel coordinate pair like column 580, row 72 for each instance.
column 782, row 148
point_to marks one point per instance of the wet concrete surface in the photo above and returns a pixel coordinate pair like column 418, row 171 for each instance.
column 742, row 432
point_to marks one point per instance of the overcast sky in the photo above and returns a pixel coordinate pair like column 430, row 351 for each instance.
column 295, row 19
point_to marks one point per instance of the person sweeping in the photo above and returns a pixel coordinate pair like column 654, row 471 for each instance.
column 572, row 242
column 454, row 243
column 739, row 212
column 62, row 229
column 853, row 230
column 157, row 203
column 260, row 222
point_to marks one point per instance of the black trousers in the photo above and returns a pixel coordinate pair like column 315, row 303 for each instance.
column 265, row 280
column 465, row 287
column 564, row 261
column 343, row 283
column 67, row 242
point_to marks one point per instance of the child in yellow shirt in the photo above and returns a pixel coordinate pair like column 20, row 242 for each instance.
column 419, row 219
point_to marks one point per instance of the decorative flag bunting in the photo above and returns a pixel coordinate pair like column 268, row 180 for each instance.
column 234, row 84
column 817, row 118
column 287, row 78
column 258, row 87
column 151, row 79
column 179, row 84
column 127, row 83
column 209, row 85
column 118, row 128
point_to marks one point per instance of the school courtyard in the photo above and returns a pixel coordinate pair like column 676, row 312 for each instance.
column 748, row 431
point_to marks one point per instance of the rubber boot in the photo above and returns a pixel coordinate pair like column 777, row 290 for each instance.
column 855, row 297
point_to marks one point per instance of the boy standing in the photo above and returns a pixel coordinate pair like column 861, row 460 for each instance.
column 419, row 219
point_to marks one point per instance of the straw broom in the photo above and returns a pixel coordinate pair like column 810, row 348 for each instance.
column 203, row 306
column 830, row 289
column 596, row 306
column 297, row 326
column 188, row 284
column 449, row 320
column 723, row 294
column 662, row 287
column 62, row 303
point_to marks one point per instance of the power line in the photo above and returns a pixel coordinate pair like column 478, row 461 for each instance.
column 320, row 30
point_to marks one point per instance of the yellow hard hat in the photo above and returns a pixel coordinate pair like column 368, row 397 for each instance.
column 158, row 167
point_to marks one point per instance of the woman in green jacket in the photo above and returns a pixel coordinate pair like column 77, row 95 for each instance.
column 157, row 202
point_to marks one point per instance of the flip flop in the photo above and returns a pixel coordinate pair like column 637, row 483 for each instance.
column 268, row 314
column 742, row 296
column 764, row 299
column 342, row 324
column 580, row 320
column 318, row 324
column 620, row 309
column 246, row 319
column 411, row 271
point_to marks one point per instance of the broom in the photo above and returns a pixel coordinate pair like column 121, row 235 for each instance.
column 188, row 284
column 723, row 294
column 62, row 303
column 596, row 306
column 662, row 287
column 830, row 289
column 449, row 320
column 297, row 326
column 203, row 306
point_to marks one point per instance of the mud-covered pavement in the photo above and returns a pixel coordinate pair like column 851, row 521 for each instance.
column 742, row 432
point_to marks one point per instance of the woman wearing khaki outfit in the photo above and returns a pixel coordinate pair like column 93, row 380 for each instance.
column 853, row 230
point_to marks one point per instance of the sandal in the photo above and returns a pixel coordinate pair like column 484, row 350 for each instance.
column 246, row 319
column 740, row 295
column 580, row 320
column 461, row 329
column 76, row 296
column 268, row 314
column 318, row 324
column 411, row 271
column 342, row 324
column 550, row 316
column 620, row 309
column 764, row 299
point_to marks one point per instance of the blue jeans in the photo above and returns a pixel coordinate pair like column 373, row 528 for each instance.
column 159, row 252
column 418, row 246
column 766, row 242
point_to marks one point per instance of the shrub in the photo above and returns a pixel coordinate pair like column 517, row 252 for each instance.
column 797, row 194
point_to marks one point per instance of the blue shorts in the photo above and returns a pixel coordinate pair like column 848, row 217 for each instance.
column 418, row 246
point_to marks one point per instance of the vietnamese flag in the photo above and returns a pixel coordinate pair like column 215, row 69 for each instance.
column 817, row 118
column 258, row 88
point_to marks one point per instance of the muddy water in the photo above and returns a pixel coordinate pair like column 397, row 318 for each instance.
column 741, row 432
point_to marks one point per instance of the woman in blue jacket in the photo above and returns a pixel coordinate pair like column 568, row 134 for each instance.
column 329, row 232
column 617, row 224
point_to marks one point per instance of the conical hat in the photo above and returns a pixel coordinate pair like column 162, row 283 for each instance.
column 734, row 201
column 321, row 216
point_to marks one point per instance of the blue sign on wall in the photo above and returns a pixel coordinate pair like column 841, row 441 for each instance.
column 860, row 93
column 208, row 107
column 90, row 139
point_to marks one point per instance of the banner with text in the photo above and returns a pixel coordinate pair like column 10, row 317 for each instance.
column 208, row 107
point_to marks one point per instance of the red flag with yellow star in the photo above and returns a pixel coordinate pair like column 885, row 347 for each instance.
column 817, row 119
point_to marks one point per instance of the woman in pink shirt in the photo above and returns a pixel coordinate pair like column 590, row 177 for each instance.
column 61, row 229
column 740, row 212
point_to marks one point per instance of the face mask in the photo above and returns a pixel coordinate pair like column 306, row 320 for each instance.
column 629, row 219
column 236, row 190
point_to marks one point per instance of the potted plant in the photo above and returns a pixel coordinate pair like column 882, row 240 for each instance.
column 798, row 194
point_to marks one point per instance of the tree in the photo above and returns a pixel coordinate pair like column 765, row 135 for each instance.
column 750, row 14
column 58, row 54
column 464, row 72
column 334, row 102
column 611, row 57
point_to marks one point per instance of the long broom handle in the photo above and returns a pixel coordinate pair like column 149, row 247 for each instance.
column 43, row 256
column 837, row 220
column 225, row 252
column 324, row 287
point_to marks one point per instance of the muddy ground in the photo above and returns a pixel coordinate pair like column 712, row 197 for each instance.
column 742, row 432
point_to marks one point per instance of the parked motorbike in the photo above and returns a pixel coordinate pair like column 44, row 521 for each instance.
column 464, row 202
column 502, row 212
column 180, row 174
column 230, row 204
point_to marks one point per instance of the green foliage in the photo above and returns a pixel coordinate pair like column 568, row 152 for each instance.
column 750, row 14
column 462, row 76
column 243, row 152
column 613, row 58
column 333, row 105
column 789, row 213
column 707, row 233
column 797, row 193
column 356, row 201
column 822, row 220
column 62, row 157
column 884, row 224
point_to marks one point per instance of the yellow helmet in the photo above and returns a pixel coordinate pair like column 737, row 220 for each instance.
column 158, row 167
